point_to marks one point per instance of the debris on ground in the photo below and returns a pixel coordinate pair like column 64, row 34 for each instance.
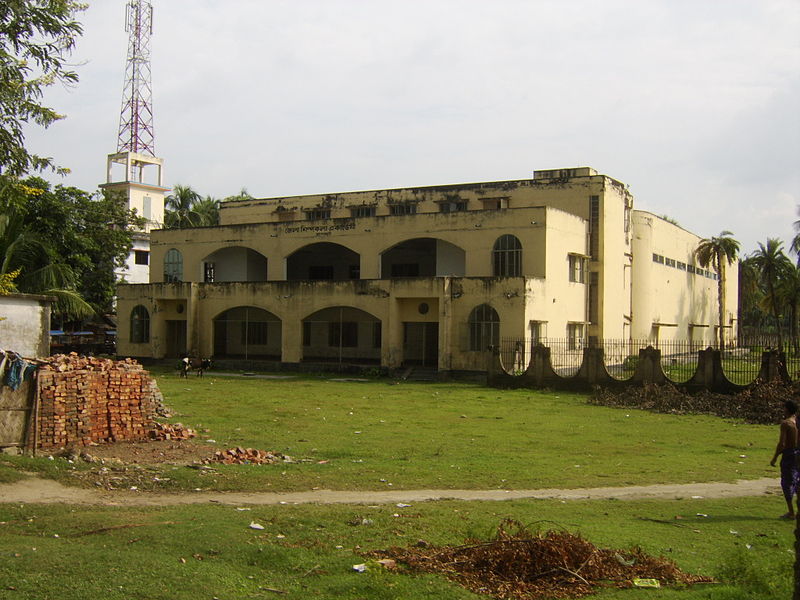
column 760, row 404
column 520, row 565
column 248, row 456
column 171, row 431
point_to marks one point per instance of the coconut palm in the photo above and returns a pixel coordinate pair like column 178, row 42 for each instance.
column 208, row 210
column 718, row 252
column 772, row 263
column 180, row 208
column 788, row 290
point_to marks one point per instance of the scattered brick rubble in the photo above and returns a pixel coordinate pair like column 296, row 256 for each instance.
column 520, row 565
column 171, row 431
column 84, row 400
column 248, row 456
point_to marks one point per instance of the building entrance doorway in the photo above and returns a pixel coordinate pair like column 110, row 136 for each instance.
column 421, row 344
column 176, row 338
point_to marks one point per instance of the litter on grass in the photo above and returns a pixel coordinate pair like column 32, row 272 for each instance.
column 518, row 564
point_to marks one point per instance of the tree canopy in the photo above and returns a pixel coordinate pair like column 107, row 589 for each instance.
column 36, row 39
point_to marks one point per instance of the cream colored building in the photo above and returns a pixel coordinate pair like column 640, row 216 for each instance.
column 139, row 179
column 416, row 276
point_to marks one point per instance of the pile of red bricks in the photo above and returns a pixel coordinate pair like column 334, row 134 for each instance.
column 85, row 400
column 249, row 456
column 170, row 431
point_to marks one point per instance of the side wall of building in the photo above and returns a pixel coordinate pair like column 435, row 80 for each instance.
column 25, row 324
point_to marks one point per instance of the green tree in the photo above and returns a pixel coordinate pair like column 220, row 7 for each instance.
column 208, row 210
column 795, row 245
column 242, row 195
column 91, row 234
column 36, row 39
column 180, row 210
column 718, row 252
column 771, row 263
column 788, row 291
column 751, row 296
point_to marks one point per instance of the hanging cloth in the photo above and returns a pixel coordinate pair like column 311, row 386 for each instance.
column 15, row 373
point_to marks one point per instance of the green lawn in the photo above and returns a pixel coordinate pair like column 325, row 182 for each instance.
column 308, row 551
column 410, row 435
column 417, row 435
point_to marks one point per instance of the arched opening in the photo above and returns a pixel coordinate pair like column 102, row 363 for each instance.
column 140, row 325
column 423, row 257
column 342, row 334
column 323, row 261
column 173, row 266
column 484, row 328
column 235, row 263
column 507, row 256
column 247, row 332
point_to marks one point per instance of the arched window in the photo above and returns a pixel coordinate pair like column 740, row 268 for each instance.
column 173, row 266
column 140, row 325
column 507, row 257
column 484, row 328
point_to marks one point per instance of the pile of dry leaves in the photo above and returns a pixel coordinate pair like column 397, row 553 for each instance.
column 520, row 565
column 760, row 404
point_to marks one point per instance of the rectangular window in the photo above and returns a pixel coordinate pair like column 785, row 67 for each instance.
column 450, row 207
column 690, row 268
column 306, row 333
column 577, row 268
column 681, row 266
column 208, row 272
column 670, row 262
column 535, row 328
column 405, row 270
column 403, row 209
column 594, row 227
column 354, row 271
column 376, row 334
column 594, row 294
column 494, row 203
column 362, row 211
column 320, row 272
column 318, row 214
column 254, row 333
column 575, row 336
column 658, row 258
column 141, row 257
column 343, row 333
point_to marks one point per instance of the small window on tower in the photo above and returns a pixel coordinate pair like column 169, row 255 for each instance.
column 141, row 257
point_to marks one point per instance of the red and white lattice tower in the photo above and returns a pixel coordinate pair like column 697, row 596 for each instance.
column 136, row 116
column 134, row 172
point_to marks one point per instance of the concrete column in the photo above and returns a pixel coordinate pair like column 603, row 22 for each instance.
column 392, row 341
column 291, row 341
column 445, row 326
column 193, row 325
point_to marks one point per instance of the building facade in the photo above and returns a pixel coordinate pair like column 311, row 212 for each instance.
column 138, row 178
column 416, row 276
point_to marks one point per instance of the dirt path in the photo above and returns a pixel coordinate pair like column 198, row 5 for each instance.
column 34, row 490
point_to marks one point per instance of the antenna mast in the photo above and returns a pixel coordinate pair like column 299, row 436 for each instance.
column 136, row 116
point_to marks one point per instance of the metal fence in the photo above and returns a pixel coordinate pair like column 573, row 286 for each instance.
column 741, row 358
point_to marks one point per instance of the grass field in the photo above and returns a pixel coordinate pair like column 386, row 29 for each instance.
column 308, row 551
column 410, row 435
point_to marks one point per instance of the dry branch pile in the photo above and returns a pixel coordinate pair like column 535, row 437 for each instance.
column 248, row 456
column 519, row 565
column 86, row 400
column 760, row 404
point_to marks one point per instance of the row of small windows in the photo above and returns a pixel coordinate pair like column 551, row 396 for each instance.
column 484, row 330
column 406, row 208
column 506, row 261
column 682, row 266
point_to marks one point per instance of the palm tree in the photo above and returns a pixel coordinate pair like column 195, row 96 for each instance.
column 180, row 208
column 208, row 210
column 795, row 245
column 28, row 264
column 717, row 251
column 788, row 290
column 771, row 263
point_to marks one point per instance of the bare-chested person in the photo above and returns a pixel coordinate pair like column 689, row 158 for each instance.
column 788, row 450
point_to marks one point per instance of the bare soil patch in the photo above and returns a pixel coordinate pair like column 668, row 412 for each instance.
column 156, row 452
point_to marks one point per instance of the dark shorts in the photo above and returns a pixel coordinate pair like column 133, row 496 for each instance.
column 790, row 473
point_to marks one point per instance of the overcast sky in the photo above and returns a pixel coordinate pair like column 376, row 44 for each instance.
column 692, row 103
